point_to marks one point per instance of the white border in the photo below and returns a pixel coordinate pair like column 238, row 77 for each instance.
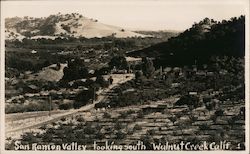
column 247, row 98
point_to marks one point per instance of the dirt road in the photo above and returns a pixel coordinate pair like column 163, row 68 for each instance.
column 20, row 122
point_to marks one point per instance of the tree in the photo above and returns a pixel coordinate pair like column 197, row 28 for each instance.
column 75, row 70
column 84, row 97
column 100, row 80
column 138, row 75
column 119, row 62
column 191, row 101
column 148, row 68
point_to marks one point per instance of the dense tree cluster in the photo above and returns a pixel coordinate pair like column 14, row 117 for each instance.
column 119, row 62
column 84, row 98
column 197, row 44
column 148, row 67
column 75, row 70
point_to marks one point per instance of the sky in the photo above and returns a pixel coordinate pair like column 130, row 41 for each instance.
column 133, row 14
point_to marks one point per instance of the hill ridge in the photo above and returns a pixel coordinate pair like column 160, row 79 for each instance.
column 62, row 25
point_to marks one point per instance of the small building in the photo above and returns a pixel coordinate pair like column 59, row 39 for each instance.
column 33, row 51
column 192, row 93
column 174, row 85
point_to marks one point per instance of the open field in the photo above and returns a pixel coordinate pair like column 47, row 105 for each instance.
column 152, row 122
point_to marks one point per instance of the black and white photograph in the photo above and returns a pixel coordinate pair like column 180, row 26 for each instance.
column 116, row 75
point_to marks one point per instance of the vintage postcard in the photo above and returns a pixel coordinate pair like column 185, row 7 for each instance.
column 166, row 76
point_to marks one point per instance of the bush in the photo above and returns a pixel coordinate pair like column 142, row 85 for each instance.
column 75, row 70
column 138, row 75
column 66, row 106
column 123, row 115
column 148, row 68
column 120, row 135
column 119, row 62
column 106, row 115
column 118, row 126
column 29, row 138
column 190, row 101
column 101, row 81
column 80, row 119
column 173, row 119
column 137, row 127
column 147, row 141
column 83, row 98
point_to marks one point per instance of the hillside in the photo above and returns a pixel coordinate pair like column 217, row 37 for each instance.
column 199, row 43
column 63, row 25
column 50, row 73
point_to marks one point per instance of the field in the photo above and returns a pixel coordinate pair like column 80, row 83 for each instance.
column 128, row 125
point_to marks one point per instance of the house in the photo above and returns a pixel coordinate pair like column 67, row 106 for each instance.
column 86, row 60
column 174, row 85
column 91, row 71
column 210, row 73
column 33, row 51
column 201, row 73
column 192, row 93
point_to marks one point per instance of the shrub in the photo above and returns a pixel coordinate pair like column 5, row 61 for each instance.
column 151, row 132
column 119, row 62
column 192, row 118
column 80, row 119
column 88, row 129
column 219, row 112
column 83, row 98
column 137, row 127
column 148, row 68
column 28, row 138
column 118, row 126
column 147, row 141
column 123, row 115
column 173, row 119
column 204, row 127
column 140, row 114
column 101, row 81
column 190, row 101
column 106, row 115
column 75, row 70
column 120, row 135
column 66, row 106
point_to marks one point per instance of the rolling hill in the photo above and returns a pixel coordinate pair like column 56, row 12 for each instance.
column 198, row 44
column 62, row 25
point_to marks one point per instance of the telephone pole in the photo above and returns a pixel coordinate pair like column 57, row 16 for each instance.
column 94, row 96
column 50, row 106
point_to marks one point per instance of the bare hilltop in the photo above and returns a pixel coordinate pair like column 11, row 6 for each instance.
column 62, row 25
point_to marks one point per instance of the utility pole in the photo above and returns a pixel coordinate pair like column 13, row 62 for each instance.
column 50, row 105
column 129, row 68
column 94, row 96
column 161, row 71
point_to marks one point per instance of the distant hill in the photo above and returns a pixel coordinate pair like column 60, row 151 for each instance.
column 199, row 43
column 62, row 25
column 162, row 34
